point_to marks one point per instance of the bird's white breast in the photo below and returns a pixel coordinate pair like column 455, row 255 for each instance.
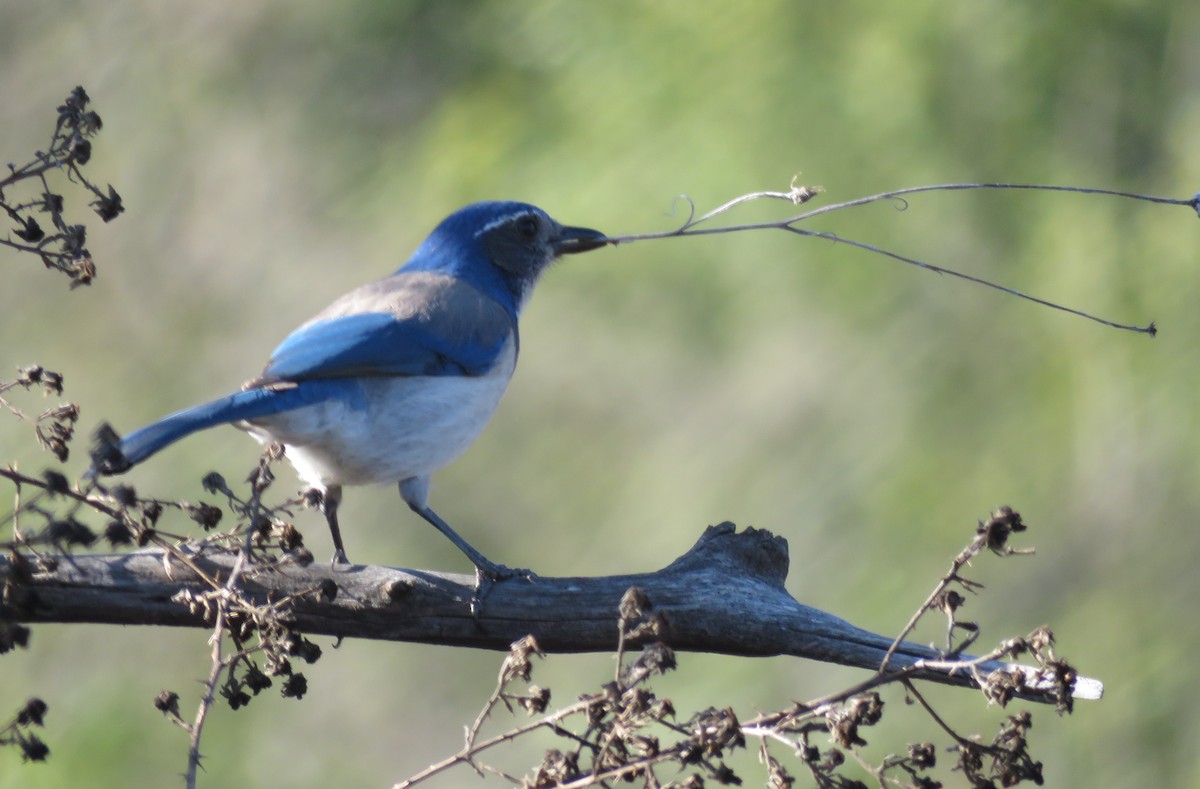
column 387, row 428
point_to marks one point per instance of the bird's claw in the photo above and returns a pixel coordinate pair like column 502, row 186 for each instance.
column 499, row 572
column 487, row 575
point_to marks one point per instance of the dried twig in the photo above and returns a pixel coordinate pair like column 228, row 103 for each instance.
column 799, row 195
column 70, row 149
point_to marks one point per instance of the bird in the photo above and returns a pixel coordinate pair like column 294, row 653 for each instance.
column 395, row 379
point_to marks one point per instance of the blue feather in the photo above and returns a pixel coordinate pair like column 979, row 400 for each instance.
column 251, row 404
column 377, row 343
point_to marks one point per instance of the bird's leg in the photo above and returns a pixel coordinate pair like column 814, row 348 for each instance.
column 487, row 572
column 330, row 499
column 485, row 566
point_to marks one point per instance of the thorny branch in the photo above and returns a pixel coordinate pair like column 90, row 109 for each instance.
column 54, row 426
column 19, row 732
column 263, row 538
column 992, row 535
column 70, row 149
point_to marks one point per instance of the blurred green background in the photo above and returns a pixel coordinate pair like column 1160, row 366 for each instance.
column 274, row 155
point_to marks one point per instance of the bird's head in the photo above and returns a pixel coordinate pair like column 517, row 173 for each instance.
column 500, row 245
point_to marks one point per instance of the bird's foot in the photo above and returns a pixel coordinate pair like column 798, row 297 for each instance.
column 339, row 557
column 488, row 574
column 499, row 572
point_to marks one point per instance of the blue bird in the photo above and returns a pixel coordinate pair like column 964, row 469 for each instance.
column 397, row 378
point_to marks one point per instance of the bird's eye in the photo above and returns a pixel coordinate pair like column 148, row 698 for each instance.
column 528, row 226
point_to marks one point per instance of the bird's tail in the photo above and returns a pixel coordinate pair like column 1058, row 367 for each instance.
column 114, row 455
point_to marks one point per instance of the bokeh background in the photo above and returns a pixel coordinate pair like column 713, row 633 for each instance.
column 273, row 155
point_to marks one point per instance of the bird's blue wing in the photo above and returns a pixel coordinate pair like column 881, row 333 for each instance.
column 377, row 343
column 407, row 324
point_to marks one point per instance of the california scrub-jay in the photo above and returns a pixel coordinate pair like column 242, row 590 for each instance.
column 395, row 379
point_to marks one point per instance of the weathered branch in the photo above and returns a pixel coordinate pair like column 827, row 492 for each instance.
column 725, row 595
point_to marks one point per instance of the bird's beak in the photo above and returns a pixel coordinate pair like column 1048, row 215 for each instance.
column 578, row 239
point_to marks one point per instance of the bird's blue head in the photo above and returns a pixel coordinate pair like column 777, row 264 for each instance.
column 500, row 247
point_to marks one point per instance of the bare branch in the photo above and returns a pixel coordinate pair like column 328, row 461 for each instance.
column 802, row 194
